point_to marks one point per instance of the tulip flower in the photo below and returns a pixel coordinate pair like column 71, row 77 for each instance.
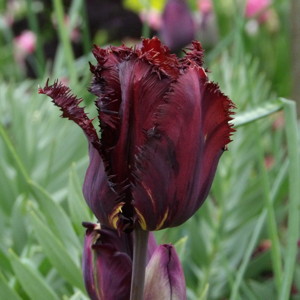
column 177, row 27
column 163, row 128
column 107, row 267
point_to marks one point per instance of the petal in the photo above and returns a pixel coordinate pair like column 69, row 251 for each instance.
column 128, row 91
column 106, row 86
column 87, row 261
column 130, row 86
column 175, row 171
column 152, row 246
column 69, row 105
column 164, row 276
column 97, row 191
column 194, row 56
column 142, row 92
column 156, row 54
column 106, row 269
column 178, row 28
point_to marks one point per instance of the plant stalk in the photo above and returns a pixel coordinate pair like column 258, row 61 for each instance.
column 139, row 264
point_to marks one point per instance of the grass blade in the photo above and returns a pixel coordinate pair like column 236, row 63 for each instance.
column 294, row 192
column 257, row 113
column 57, row 253
column 32, row 282
column 6, row 292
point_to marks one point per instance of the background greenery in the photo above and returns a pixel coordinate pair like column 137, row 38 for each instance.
column 243, row 242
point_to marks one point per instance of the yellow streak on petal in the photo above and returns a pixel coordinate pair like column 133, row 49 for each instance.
column 141, row 219
column 160, row 225
column 149, row 193
column 114, row 216
column 96, row 235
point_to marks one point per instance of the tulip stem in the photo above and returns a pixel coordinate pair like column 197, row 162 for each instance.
column 139, row 264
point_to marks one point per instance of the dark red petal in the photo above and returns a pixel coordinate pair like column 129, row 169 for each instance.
column 164, row 276
column 159, row 56
column 87, row 260
column 129, row 92
column 142, row 92
column 69, row 105
column 115, row 276
column 106, row 267
column 174, row 172
column 178, row 28
column 194, row 55
column 111, row 55
column 106, row 86
column 122, row 242
column 99, row 195
column 107, row 262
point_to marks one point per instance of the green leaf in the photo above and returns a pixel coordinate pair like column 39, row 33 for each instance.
column 290, row 257
column 257, row 113
column 264, row 290
column 204, row 294
column 19, row 229
column 180, row 246
column 77, row 206
column 31, row 281
column 4, row 262
column 57, row 219
column 57, row 253
column 6, row 292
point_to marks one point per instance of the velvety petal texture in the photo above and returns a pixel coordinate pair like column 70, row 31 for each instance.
column 107, row 263
column 107, row 267
column 163, row 128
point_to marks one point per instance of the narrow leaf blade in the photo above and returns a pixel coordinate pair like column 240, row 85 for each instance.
column 31, row 281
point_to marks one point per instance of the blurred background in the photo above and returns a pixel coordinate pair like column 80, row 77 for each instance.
column 243, row 243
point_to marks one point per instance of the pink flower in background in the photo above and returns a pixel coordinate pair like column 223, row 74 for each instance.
column 151, row 17
column 258, row 8
column 24, row 45
column 26, row 42
column 205, row 6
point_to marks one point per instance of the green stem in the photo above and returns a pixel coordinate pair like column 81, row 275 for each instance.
column 271, row 217
column 34, row 26
column 65, row 40
column 139, row 264
column 290, row 258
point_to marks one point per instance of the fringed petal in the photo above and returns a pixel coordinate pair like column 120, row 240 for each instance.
column 98, row 192
column 69, row 105
column 163, row 128
column 129, row 91
column 174, row 172
column 193, row 55
column 156, row 54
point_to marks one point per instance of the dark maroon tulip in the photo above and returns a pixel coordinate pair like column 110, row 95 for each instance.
column 178, row 27
column 107, row 266
column 163, row 127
